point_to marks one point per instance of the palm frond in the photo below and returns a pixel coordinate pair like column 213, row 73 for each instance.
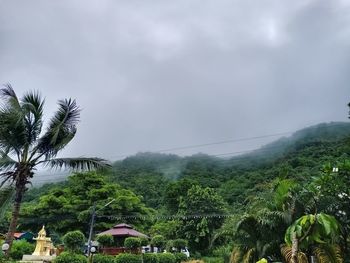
column 236, row 255
column 9, row 97
column 6, row 195
column 7, row 178
column 7, row 163
column 327, row 253
column 249, row 256
column 77, row 163
column 33, row 104
column 286, row 252
column 61, row 129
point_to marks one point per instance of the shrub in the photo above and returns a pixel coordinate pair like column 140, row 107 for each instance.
column 132, row 242
column 150, row 258
column 105, row 240
column 20, row 248
column 166, row 258
column 179, row 243
column 99, row 258
column 180, row 257
column 144, row 241
column 158, row 241
column 213, row 260
column 169, row 245
column 74, row 241
column 66, row 257
column 128, row 258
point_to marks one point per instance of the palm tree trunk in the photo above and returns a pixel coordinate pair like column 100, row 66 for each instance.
column 20, row 189
column 295, row 248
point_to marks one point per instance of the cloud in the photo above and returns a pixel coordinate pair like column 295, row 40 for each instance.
column 160, row 74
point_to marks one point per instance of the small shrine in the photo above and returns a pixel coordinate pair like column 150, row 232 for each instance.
column 43, row 244
column 44, row 249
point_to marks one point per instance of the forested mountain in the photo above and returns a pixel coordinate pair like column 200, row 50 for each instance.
column 300, row 156
column 212, row 202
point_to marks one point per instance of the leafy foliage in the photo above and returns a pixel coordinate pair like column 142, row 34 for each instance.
column 158, row 241
column 74, row 241
column 180, row 243
column 150, row 258
column 166, row 258
column 199, row 230
column 73, row 204
column 180, row 257
column 67, row 257
column 132, row 242
column 105, row 240
column 20, row 248
column 100, row 258
column 128, row 258
column 314, row 229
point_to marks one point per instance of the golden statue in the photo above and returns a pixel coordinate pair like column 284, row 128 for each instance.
column 43, row 244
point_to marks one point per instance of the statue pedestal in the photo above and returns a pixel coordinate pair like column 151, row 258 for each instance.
column 37, row 259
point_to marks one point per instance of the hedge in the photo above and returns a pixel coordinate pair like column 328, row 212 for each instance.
column 128, row 258
column 100, row 258
column 166, row 258
column 66, row 257
column 180, row 257
column 150, row 258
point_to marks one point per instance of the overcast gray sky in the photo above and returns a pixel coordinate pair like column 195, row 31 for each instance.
column 155, row 74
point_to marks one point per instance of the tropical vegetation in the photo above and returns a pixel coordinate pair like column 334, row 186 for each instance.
column 287, row 201
column 24, row 147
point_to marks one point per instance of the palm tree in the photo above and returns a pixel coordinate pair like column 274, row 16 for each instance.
column 24, row 147
column 261, row 232
column 252, row 239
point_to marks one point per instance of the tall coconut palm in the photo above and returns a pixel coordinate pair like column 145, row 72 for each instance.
column 24, row 146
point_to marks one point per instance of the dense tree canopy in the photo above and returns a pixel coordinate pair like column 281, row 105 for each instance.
column 261, row 193
column 64, row 209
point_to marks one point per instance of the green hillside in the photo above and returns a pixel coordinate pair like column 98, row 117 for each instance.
column 300, row 156
column 214, row 203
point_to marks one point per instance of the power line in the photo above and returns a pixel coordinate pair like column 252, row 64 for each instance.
column 186, row 147
column 228, row 154
column 212, row 143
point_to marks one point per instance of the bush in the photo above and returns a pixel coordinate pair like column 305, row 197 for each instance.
column 128, row 258
column 99, row 258
column 105, row 240
column 66, row 257
column 180, row 257
column 166, row 258
column 144, row 241
column 150, row 258
column 179, row 243
column 213, row 260
column 74, row 241
column 158, row 241
column 132, row 242
column 20, row 248
column 169, row 245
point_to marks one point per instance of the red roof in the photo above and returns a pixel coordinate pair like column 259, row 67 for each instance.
column 123, row 230
column 17, row 235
